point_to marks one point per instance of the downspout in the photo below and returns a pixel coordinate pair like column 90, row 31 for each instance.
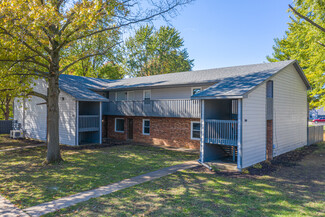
column 202, row 142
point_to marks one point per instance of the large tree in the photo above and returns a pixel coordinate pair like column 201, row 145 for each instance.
column 11, row 87
column 96, row 66
column 305, row 41
column 37, row 36
column 151, row 52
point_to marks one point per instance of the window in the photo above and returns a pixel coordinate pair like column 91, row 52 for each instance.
column 196, row 90
column 119, row 125
column 146, row 96
column 195, row 130
column 146, row 127
column 121, row 96
column 130, row 95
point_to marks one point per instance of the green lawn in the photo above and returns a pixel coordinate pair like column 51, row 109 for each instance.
column 290, row 191
column 25, row 181
column 7, row 143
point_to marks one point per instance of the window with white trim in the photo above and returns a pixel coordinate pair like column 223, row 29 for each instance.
column 146, row 96
column 119, row 125
column 146, row 127
column 121, row 95
column 196, row 90
column 195, row 130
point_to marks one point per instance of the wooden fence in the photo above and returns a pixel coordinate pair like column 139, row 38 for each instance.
column 315, row 134
column 5, row 127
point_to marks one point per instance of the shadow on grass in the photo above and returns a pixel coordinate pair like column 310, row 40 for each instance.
column 295, row 191
column 6, row 142
column 27, row 182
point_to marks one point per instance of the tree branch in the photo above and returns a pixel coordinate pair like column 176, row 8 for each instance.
column 24, row 43
column 130, row 22
column 34, row 38
column 88, row 56
column 33, row 93
column 320, row 43
column 27, row 60
column 307, row 19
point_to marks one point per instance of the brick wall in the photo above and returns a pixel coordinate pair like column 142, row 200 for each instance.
column 174, row 132
column 269, row 141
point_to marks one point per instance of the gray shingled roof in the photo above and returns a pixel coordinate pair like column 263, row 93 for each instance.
column 243, row 79
column 81, row 87
column 226, row 82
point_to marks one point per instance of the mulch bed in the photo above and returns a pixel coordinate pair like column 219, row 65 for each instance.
column 288, row 159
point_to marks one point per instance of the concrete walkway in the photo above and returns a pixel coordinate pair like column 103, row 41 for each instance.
column 7, row 209
column 64, row 202
column 23, row 147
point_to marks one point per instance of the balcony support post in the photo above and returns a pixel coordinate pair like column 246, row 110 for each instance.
column 202, row 142
column 100, row 122
column 239, row 137
column 77, row 122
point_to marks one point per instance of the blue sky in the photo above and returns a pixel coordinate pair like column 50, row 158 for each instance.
column 219, row 33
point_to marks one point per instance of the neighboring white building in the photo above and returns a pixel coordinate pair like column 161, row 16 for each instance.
column 251, row 113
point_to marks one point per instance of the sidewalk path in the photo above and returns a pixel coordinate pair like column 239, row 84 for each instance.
column 64, row 202
column 23, row 147
column 7, row 209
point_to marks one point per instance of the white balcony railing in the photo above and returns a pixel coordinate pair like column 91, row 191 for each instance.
column 155, row 108
column 88, row 123
column 221, row 132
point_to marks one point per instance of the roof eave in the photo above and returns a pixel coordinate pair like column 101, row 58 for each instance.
column 158, row 86
column 218, row 97
column 302, row 74
column 92, row 100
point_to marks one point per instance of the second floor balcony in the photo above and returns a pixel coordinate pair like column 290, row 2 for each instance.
column 184, row 108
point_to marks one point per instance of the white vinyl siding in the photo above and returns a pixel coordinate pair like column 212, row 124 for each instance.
column 160, row 94
column 33, row 117
column 121, row 95
column 289, row 117
column 67, row 124
column 290, row 111
column 254, row 127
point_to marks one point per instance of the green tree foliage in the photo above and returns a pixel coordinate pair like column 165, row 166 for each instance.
column 151, row 52
column 11, row 87
column 101, row 66
column 304, row 41
column 38, row 36
column 111, row 70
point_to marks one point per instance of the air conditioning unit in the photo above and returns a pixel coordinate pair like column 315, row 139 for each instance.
column 16, row 134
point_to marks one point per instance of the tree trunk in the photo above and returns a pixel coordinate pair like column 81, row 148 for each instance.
column 53, row 147
column 7, row 109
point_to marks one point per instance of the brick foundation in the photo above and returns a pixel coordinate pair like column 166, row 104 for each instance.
column 174, row 132
column 269, row 140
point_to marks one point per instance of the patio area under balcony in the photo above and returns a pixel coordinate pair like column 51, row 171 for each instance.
column 220, row 131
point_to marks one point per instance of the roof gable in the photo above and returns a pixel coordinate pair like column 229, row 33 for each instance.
column 239, row 86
